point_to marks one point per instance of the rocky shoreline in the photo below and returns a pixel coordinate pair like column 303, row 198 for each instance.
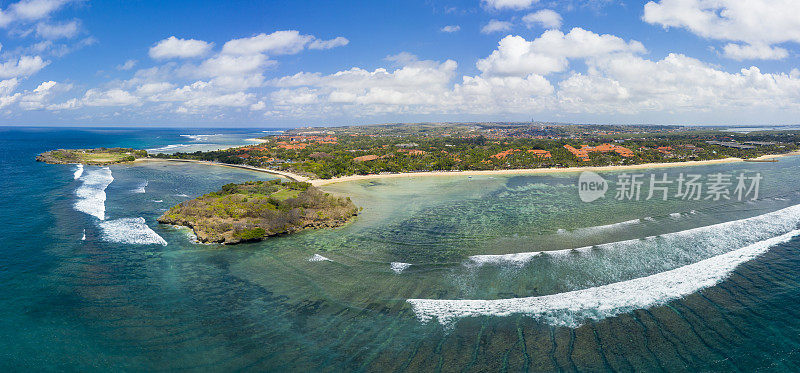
column 94, row 157
column 254, row 211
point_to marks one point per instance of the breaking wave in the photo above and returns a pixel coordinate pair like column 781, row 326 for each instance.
column 132, row 231
column 711, row 240
column 199, row 137
column 318, row 258
column 78, row 171
column 572, row 308
column 92, row 193
column 171, row 148
column 141, row 188
column 399, row 267
column 601, row 228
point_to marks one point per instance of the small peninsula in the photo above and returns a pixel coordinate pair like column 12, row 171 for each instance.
column 255, row 210
column 95, row 157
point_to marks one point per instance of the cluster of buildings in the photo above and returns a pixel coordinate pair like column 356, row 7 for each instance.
column 583, row 152
column 296, row 142
column 536, row 152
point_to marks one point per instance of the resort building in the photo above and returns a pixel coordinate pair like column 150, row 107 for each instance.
column 536, row 152
column 583, row 152
column 364, row 158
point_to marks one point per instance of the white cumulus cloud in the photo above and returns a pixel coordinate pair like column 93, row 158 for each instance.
column 754, row 52
column 22, row 67
column 173, row 47
column 451, row 28
column 496, row 26
column 757, row 23
column 329, row 44
column 551, row 51
column 129, row 64
column 545, row 18
column 53, row 31
column 508, row 4
column 29, row 10
column 280, row 43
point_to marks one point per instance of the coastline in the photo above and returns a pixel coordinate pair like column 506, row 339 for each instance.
column 527, row 171
column 288, row 175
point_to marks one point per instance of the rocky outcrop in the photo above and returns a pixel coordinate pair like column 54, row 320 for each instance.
column 96, row 157
column 257, row 210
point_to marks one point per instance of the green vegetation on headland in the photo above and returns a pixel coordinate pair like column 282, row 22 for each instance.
column 97, row 157
column 255, row 210
column 327, row 152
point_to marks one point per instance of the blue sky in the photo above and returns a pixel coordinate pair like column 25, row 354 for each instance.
column 278, row 64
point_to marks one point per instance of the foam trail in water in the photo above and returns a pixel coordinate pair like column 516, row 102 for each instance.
column 572, row 308
column 399, row 267
column 518, row 259
column 84, row 235
column 200, row 137
column 600, row 228
column 141, row 188
column 318, row 258
column 130, row 231
column 78, row 171
column 715, row 239
column 92, row 193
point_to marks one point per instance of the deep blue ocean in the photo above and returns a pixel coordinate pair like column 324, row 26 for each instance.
column 89, row 281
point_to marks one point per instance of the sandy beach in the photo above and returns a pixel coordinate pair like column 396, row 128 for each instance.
column 320, row 182
column 255, row 140
column 285, row 174
column 530, row 171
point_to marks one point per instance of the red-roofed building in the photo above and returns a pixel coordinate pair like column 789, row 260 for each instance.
column 364, row 158
column 583, row 152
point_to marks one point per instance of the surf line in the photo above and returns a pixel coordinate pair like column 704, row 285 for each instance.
column 573, row 308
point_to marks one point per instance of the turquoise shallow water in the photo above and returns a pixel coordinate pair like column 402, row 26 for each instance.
column 121, row 299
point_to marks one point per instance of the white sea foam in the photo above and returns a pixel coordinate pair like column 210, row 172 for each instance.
column 158, row 200
column 78, row 171
column 517, row 259
column 200, row 137
column 318, row 258
column 399, row 267
column 92, row 193
column 715, row 238
column 572, row 308
column 84, row 235
column 130, row 231
column 141, row 188
column 171, row 148
column 600, row 228
column 675, row 215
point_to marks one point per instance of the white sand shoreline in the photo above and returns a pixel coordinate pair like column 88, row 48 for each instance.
column 288, row 175
column 530, row 171
column 320, row 182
